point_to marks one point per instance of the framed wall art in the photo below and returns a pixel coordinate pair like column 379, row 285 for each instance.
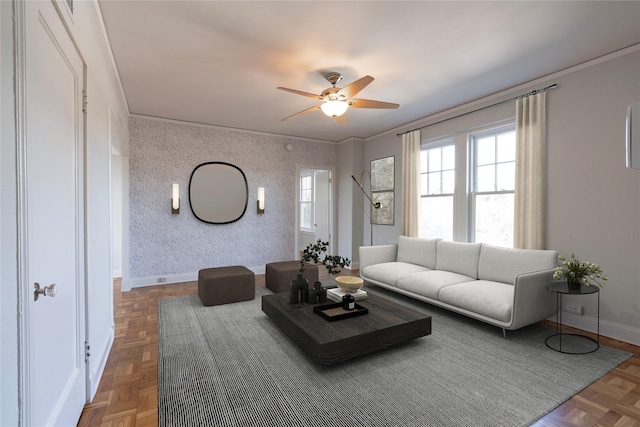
column 383, row 174
column 384, row 214
column 383, row 190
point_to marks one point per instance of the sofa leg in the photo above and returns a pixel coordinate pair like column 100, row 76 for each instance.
column 504, row 333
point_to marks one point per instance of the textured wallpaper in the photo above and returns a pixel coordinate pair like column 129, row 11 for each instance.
column 163, row 152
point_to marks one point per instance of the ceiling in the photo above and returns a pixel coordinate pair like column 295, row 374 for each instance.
column 219, row 62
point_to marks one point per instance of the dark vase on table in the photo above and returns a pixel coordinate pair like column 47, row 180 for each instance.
column 574, row 284
column 299, row 290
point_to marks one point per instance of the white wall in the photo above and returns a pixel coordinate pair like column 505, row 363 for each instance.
column 175, row 247
column 594, row 200
column 351, row 201
column 104, row 94
column 8, row 227
column 116, row 214
column 105, row 101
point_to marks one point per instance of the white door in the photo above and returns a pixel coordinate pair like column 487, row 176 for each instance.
column 322, row 205
column 52, row 238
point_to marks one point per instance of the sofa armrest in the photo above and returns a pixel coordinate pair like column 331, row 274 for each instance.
column 532, row 301
column 370, row 255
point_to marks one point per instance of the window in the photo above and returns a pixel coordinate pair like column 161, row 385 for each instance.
column 493, row 184
column 306, row 202
column 467, row 185
column 437, row 184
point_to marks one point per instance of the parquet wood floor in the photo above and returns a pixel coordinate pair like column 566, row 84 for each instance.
column 128, row 391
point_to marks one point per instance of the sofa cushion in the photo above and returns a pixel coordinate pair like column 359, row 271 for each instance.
column 429, row 283
column 388, row 272
column 458, row 257
column 418, row 251
column 505, row 264
column 487, row 298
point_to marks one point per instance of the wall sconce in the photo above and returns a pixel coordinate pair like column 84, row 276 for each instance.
column 175, row 199
column 260, row 200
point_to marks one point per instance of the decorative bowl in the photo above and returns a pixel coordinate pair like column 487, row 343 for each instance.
column 349, row 283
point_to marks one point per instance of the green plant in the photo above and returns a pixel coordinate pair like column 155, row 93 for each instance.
column 317, row 252
column 576, row 271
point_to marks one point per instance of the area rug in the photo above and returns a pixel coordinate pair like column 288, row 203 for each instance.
column 230, row 365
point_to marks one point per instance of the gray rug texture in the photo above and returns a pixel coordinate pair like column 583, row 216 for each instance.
column 230, row 365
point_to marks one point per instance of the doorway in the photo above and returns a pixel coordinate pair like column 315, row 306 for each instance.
column 51, row 212
column 315, row 208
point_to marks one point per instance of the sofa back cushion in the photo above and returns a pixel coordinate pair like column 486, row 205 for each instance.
column 500, row 264
column 458, row 257
column 417, row 251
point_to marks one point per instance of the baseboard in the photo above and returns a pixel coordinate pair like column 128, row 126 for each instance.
column 99, row 354
column 139, row 282
column 608, row 329
column 117, row 273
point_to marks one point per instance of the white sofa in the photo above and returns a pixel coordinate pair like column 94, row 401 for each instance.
column 501, row 286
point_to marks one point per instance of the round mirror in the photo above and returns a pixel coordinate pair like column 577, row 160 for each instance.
column 218, row 192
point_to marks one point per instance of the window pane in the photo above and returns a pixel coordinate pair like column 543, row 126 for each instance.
column 485, row 178
column 436, row 217
column 305, row 195
column 424, row 184
column 506, row 176
column 434, row 183
column 448, row 157
column 507, row 147
column 494, row 219
column 448, row 182
column 435, row 163
column 485, row 151
column 305, row 215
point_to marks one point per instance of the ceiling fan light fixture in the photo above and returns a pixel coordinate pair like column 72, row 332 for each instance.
column 334, row 108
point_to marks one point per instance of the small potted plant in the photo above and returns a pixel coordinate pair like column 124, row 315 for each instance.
column 578, row 273
column 316, row 253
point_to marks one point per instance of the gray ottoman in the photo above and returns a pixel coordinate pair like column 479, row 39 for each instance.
column 278, row 275
column 222, row 285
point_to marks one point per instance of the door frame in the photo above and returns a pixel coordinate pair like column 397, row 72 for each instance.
column 25, row 291
column 333, row 209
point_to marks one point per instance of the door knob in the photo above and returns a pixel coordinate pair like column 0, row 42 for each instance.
column 47, row 291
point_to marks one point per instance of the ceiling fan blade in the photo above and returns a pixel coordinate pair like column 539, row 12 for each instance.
column 366, row 103
column 308, row 110
column 355, row 87
column 299, row 92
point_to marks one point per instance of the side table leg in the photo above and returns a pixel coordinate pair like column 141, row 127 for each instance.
column 559, row 308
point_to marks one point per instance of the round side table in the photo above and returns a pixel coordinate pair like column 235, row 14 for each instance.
column 560, row 289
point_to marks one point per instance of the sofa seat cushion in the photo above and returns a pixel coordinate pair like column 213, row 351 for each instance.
column 429, row 283
column 389, row 272
column 484, row 297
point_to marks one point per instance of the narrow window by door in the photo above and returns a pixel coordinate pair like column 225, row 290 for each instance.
column 315, row 210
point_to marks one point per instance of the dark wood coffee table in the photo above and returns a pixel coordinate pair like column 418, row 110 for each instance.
column 386, row 324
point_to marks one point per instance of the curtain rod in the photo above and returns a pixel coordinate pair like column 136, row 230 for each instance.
column 533, row 92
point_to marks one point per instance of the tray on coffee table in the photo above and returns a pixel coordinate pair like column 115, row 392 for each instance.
column 336, row 311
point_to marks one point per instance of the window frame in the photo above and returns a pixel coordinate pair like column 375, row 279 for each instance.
column 463, row 203
column 473, row 173
column 435, row 144
column 302, row 202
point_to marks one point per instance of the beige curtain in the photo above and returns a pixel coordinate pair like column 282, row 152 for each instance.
column 530, row 198
column 411, row 184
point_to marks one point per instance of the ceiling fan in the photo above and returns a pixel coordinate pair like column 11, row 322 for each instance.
column 338, row 100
